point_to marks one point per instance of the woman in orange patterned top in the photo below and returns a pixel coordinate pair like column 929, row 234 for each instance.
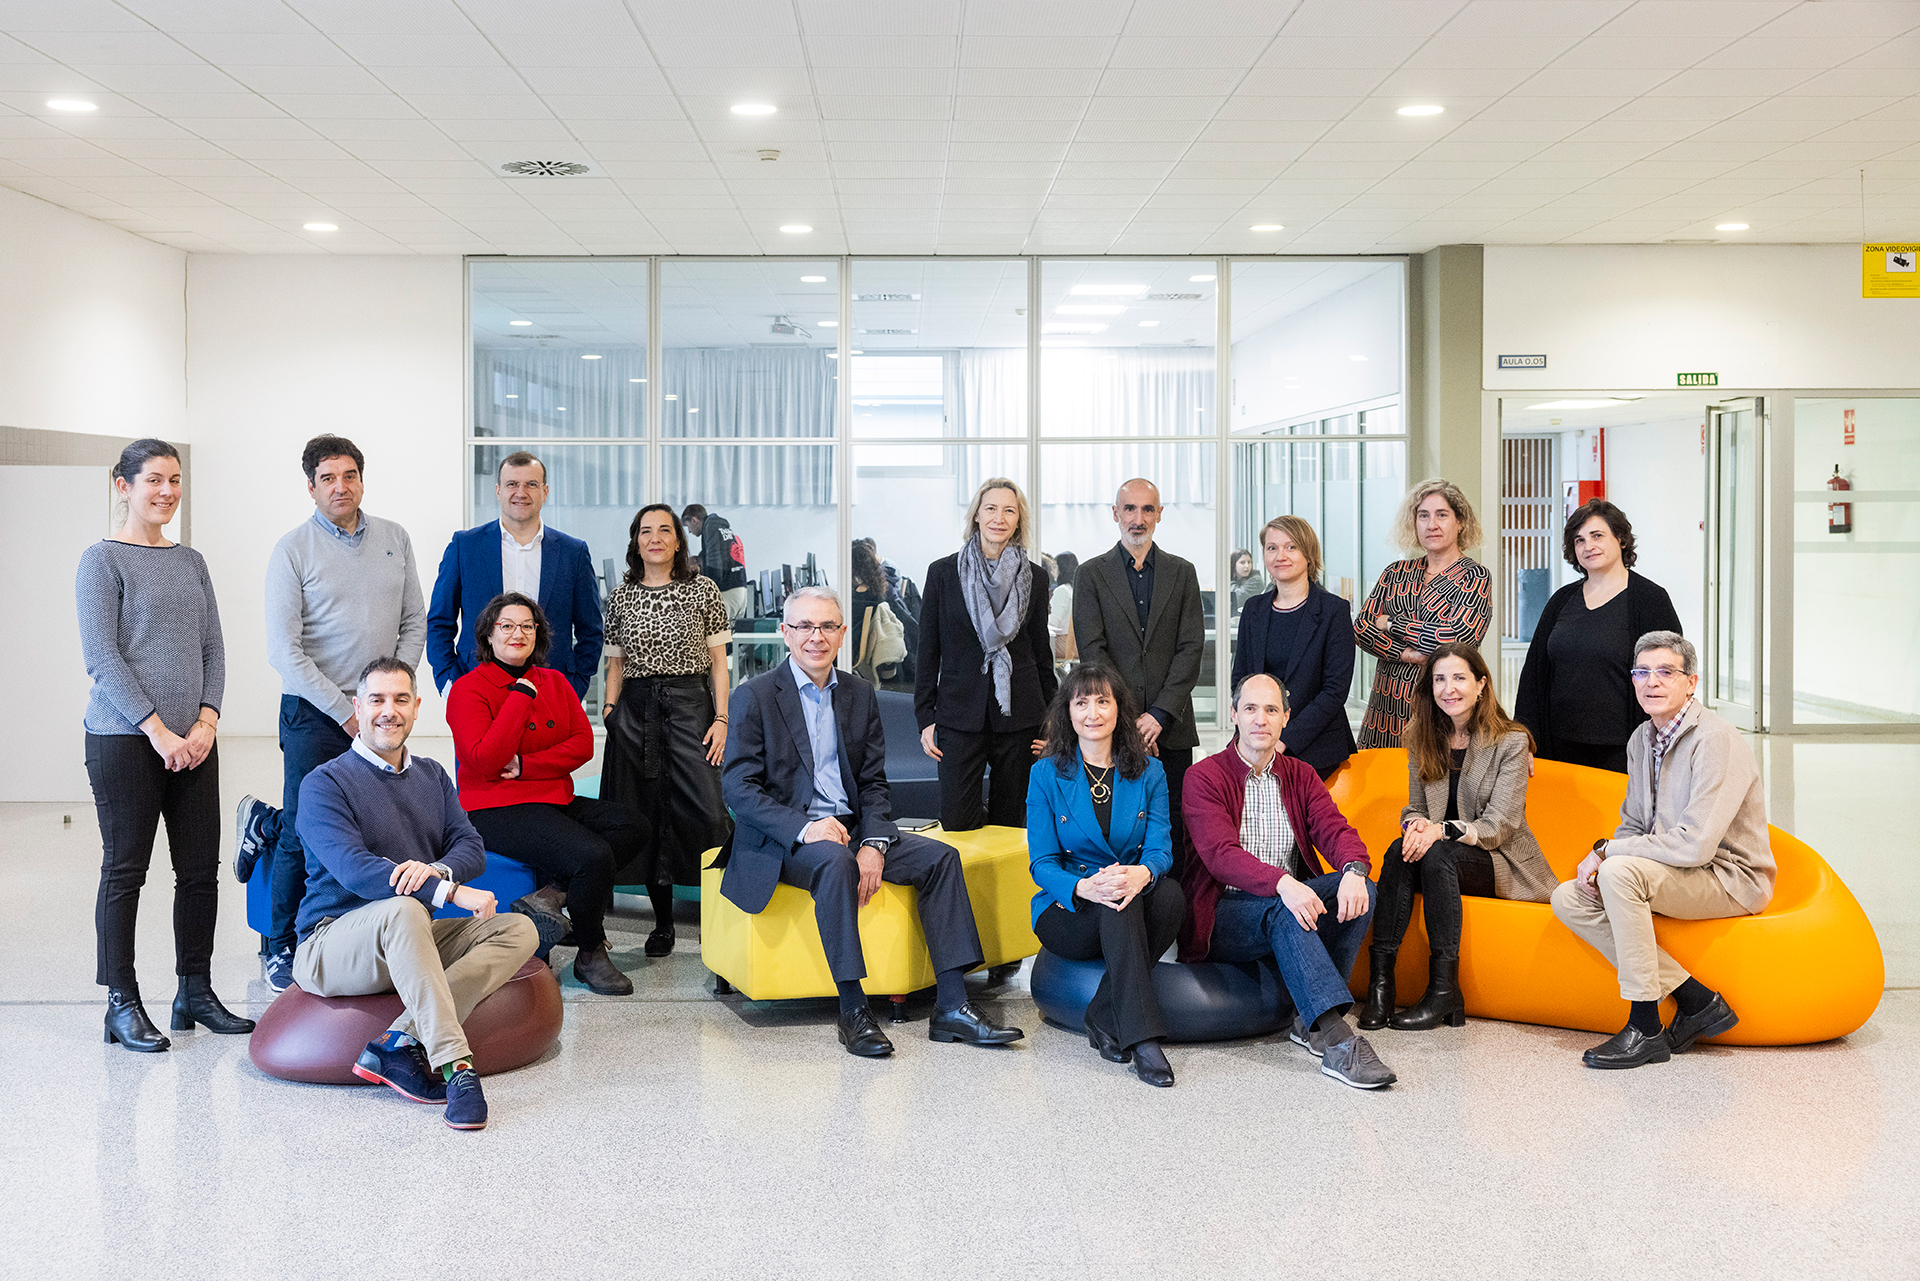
column 1421, row 603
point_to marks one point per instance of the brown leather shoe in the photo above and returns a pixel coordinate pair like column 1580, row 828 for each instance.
column 600, row 974
column 550, row 899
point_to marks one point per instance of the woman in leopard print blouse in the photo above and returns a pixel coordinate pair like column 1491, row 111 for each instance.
column 667, row 636
column 1422, row 603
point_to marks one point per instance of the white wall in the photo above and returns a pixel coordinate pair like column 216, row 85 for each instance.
column 281, row 349
column 65, row 507
column 93, row 330
column 1314, row 348
column 1634, row 316
column 1656, row 474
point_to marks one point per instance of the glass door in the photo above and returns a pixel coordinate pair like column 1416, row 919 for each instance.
column 1731, row 653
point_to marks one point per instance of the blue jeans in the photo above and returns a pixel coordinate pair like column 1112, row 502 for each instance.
column 1314, row 964
column 309, row 738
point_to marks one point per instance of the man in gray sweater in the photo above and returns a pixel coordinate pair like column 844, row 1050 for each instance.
column 342, row 590
column 1692, row 843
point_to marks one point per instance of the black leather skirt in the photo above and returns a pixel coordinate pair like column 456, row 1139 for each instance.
column 656, row 763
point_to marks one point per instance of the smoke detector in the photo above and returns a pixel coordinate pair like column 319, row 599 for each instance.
column 545, row 169
column 768, row 153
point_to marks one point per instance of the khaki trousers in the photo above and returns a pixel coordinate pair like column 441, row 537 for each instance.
column 1619, row 924
column 440, row 969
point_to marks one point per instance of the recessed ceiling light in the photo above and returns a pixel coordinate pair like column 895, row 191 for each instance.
column 1356, row 357
column 559, row 409
column 1148, row 324
column 1089, row 309
column 519, row 322
column 673, row 395
column 796, row 229
column 1425, row 109
column 71, row 104
column 1730, row 226
column 1199, row 280
column 754, row 108
column 1578, row 404
column 693, row 411
column 1073, row 329
column 1266, row 226
column 856, row 352
column 513, row 395
column 829, row 324
column 813, row 280
column 1107, row 290
column 319, row 226
column 833, row 355
column 636, row 380
column 589, row 357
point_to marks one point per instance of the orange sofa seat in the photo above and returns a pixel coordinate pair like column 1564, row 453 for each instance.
column 1806, row 969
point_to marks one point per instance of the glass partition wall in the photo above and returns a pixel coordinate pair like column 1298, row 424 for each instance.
column 809, row 403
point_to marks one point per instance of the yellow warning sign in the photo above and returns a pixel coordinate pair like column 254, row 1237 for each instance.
column 1889, row 271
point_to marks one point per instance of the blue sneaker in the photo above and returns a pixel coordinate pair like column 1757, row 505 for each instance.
column 404, row 1070
column 279, row 970
column 249, row 836
column 466, row 1106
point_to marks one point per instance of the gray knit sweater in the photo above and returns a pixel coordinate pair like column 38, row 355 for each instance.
column 336, row 603
column 150, row 634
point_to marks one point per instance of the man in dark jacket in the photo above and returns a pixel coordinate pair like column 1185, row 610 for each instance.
column 1136, row 609
column 723, row 557
column 806, row 780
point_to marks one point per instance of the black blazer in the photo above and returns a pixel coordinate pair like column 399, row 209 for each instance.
column 1160, row 665
column 1318, row 676
column 767, row 780
column 949, row 686
column 1649, row 609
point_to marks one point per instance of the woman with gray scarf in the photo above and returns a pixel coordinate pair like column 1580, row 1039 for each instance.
column 985, row 670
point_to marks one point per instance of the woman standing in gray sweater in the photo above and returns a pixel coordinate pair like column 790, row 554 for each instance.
column 150, row 632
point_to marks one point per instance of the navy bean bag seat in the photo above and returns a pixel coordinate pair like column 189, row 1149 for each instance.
column 1207, row 1001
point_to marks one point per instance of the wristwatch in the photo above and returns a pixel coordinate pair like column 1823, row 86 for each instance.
column 1599, row 847
column 1358, row 868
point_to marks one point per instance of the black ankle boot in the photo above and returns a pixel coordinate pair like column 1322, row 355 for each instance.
column 196, row 1003
column 1442, row 1003
column 127, row 1022
column 1374, row 1012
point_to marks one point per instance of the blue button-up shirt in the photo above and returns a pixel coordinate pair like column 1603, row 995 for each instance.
column 829, row 790
column 354, row 539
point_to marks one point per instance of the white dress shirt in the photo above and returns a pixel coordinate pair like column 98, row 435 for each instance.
column 520, row 563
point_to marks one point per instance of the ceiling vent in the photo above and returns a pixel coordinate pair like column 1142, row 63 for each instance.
column 885, row 298
column 545, row 169
column 540, row 337
column 1175, row 297
column 886, row 331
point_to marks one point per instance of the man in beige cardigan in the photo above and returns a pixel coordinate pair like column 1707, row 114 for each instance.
column 1692, row 844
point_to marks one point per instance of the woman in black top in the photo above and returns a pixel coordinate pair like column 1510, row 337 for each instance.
column 1575, row 694
column 986, row 665
column 1301, row 634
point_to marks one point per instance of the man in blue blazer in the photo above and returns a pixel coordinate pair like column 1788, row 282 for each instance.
column 517, row 553
column 806, row 780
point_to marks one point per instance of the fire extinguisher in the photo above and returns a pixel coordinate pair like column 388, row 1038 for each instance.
column 1839, row 515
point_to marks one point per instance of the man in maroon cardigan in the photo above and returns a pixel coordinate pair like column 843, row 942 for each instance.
column 1264, row 833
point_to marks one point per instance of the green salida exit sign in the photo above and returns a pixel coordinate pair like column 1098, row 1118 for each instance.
column 1699, row 380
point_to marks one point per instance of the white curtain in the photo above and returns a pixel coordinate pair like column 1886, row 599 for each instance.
column 551, row 391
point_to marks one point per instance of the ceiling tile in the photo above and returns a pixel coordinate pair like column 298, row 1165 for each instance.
column 1362, row 18
column 1042, row 51
column 1671, row 19
column 449, row 49
column 1154, row 82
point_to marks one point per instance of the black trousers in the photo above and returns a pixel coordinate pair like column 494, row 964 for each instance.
column 1131, row 941
column 309, row 738
column 1446, row 871
column 1003, row 757
column 132, row 792
column 580, row 844
column 656, row 765
column 1175, row 761
column 827, row 870
column 1611, row 756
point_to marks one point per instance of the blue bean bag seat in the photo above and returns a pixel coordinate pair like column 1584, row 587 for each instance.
column 1207, row 1001
column 507, row 878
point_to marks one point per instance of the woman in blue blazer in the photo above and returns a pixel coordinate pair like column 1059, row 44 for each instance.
column 1301, row 634
column 1102, row 854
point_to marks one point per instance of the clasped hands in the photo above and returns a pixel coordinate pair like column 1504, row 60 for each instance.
column 183, row 753
column 408, row 877
column 1115, row 885
column 872, row 860
column 1351, row 900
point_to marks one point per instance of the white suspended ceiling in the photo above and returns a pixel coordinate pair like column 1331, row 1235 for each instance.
column 966, row 126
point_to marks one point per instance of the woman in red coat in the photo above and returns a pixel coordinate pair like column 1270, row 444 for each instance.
column 519, row 732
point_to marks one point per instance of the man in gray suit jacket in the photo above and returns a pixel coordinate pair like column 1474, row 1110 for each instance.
column 1136, row 609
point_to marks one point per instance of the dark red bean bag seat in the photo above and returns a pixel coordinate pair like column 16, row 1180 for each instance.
column 310, row 1038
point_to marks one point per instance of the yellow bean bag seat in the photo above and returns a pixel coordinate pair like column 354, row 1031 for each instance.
column 776, row 955
column 1808, row 968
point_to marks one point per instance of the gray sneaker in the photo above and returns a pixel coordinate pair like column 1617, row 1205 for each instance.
column 1315, row 1043
column 1353, row 1062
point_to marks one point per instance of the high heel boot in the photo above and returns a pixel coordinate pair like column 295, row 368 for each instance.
column 196, row 1003
column 1443, row 1002
column 1378, row 1007
column 127, row 1022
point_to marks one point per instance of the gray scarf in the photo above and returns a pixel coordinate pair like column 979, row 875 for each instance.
column 997, row 595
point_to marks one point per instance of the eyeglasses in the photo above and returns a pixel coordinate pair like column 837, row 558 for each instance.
column 1665, row 674
column 517, row 629
column 828, row 630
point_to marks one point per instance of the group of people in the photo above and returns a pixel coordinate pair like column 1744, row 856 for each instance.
column 1134, row 845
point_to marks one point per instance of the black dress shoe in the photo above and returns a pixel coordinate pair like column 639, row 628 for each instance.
column 964, row 1023
column 1716, row 1018
column 862, row 1036
column 660, row 942
column 1629, row 1048
column 196, row 1003
column 1110, row 1050
column 1150, row 1064
column 127, row 1023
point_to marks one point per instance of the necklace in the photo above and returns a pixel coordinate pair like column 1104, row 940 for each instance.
column 1097, row 785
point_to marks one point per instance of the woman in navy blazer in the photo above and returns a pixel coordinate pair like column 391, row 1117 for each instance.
column 1301, row 634
column 1101, row 851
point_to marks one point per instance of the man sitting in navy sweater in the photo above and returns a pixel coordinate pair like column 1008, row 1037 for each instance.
column 387, row 843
